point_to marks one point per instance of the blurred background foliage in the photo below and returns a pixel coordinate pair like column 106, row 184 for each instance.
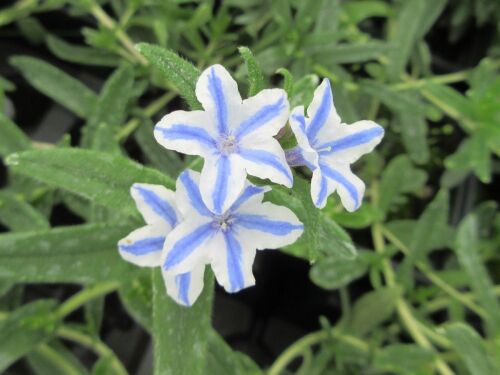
column 78, row 100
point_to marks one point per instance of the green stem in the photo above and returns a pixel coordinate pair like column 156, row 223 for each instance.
column 80, row 298
column 97, row 346
column 57, row 360
column 441, row 303
column 442, row 79
column 149, row 111
column 305, row 343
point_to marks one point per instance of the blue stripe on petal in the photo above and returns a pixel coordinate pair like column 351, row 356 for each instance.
column 221, row 183
column 215, row 89
column 180, row 132
column 266, row 225
column 161, row 207
column 144, row 246
column 341, row 179
column 193, row 192
column 233, row 263
column 321, row 114
column 322, row 192
column 249, row 192
column 301, row 120
column 353, row 140
column 187, row 244
column 260, row 118
column 267, row 158
column 183, row 281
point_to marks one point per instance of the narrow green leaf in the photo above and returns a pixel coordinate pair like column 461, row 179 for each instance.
column 137, row 296
column 180, row 334
column 399, row 177
column 79, row 54
column 55, row 359
column 401, row 102
column 12, row 139
column 472, row 155
column 101, row 138
column 404, row 359
column 467, row 250
column 179, row 72
column 56, row 84
column 287, row 80
column 351, row 53
column 24, row 329
column 414, row 134
column 372, row 309
column 19, row 215
column 255, row 75
column 100, row 177
column 77, row 254
column 358, row 11
column 333, row 273
column 471, row 349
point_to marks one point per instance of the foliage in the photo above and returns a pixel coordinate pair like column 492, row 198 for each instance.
column 424, row 242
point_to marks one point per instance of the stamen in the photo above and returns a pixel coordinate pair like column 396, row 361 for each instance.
column 228, row 145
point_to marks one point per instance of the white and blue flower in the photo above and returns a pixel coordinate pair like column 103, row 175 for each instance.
column 227, row 240
column 143, row 247
column 234, row 136
column 328, row 147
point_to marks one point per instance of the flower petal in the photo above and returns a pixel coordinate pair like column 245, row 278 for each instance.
column 188, row 196
column 156, row 203
column 143, row 246
column 267, row 226
column 264, row 114
column 221, row 182
column 322, row 114
column 232, row 263
column 218, row 92
column 266, row 159
column 188, row 245
column 298, row 125
column 191, row 133
column 185, row 288
column 339, row 178
column 350, row 142
column 251, row 194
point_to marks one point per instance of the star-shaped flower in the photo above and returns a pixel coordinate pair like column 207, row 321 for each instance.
column 227, row 240
column 328, row 147
column 143, row 246
column 234, row 136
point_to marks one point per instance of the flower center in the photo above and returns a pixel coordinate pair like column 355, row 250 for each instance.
column 223, row 222
column 228, row 144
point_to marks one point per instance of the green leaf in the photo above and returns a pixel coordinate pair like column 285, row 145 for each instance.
column 351, row 53
column 405, row 103
column 414, row 135
column 472, row 155
column 399, row 177
column 77, row 254
column 82, row 171
column 24, row 329
column 372, row 309
column 333, row 273
column 179, row 72
column 137, row 296
column 56, row 84
column 404, row 359
column 19, row 215
column 303, row 90
column 103, row 366
column 361, row 218
column 287, row 80
column 321, row 235
column 12, row 139
column 471, row 349
column 79, row 54
column 467, row 250
column 255, row 75
column 111, row 107
column 55, row 359
column 358, row 11
column 181, row 334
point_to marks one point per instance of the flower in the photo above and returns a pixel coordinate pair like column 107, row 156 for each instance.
column 328, row 147
column 143, row 247
column 228, row 240
column 234, row 136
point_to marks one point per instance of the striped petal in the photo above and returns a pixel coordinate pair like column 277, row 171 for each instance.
column 188, row 196
column 185, row 288
column 265, row 159
column 267, row 226
column 218, row 93
column 221, row 182
column 251, row 194
column 337, row 177
column 350, row 142
column 233, row 262
column 143, row 247
column 263, row 114
column 191, row 133
column 189, row 245
column 156, row 204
